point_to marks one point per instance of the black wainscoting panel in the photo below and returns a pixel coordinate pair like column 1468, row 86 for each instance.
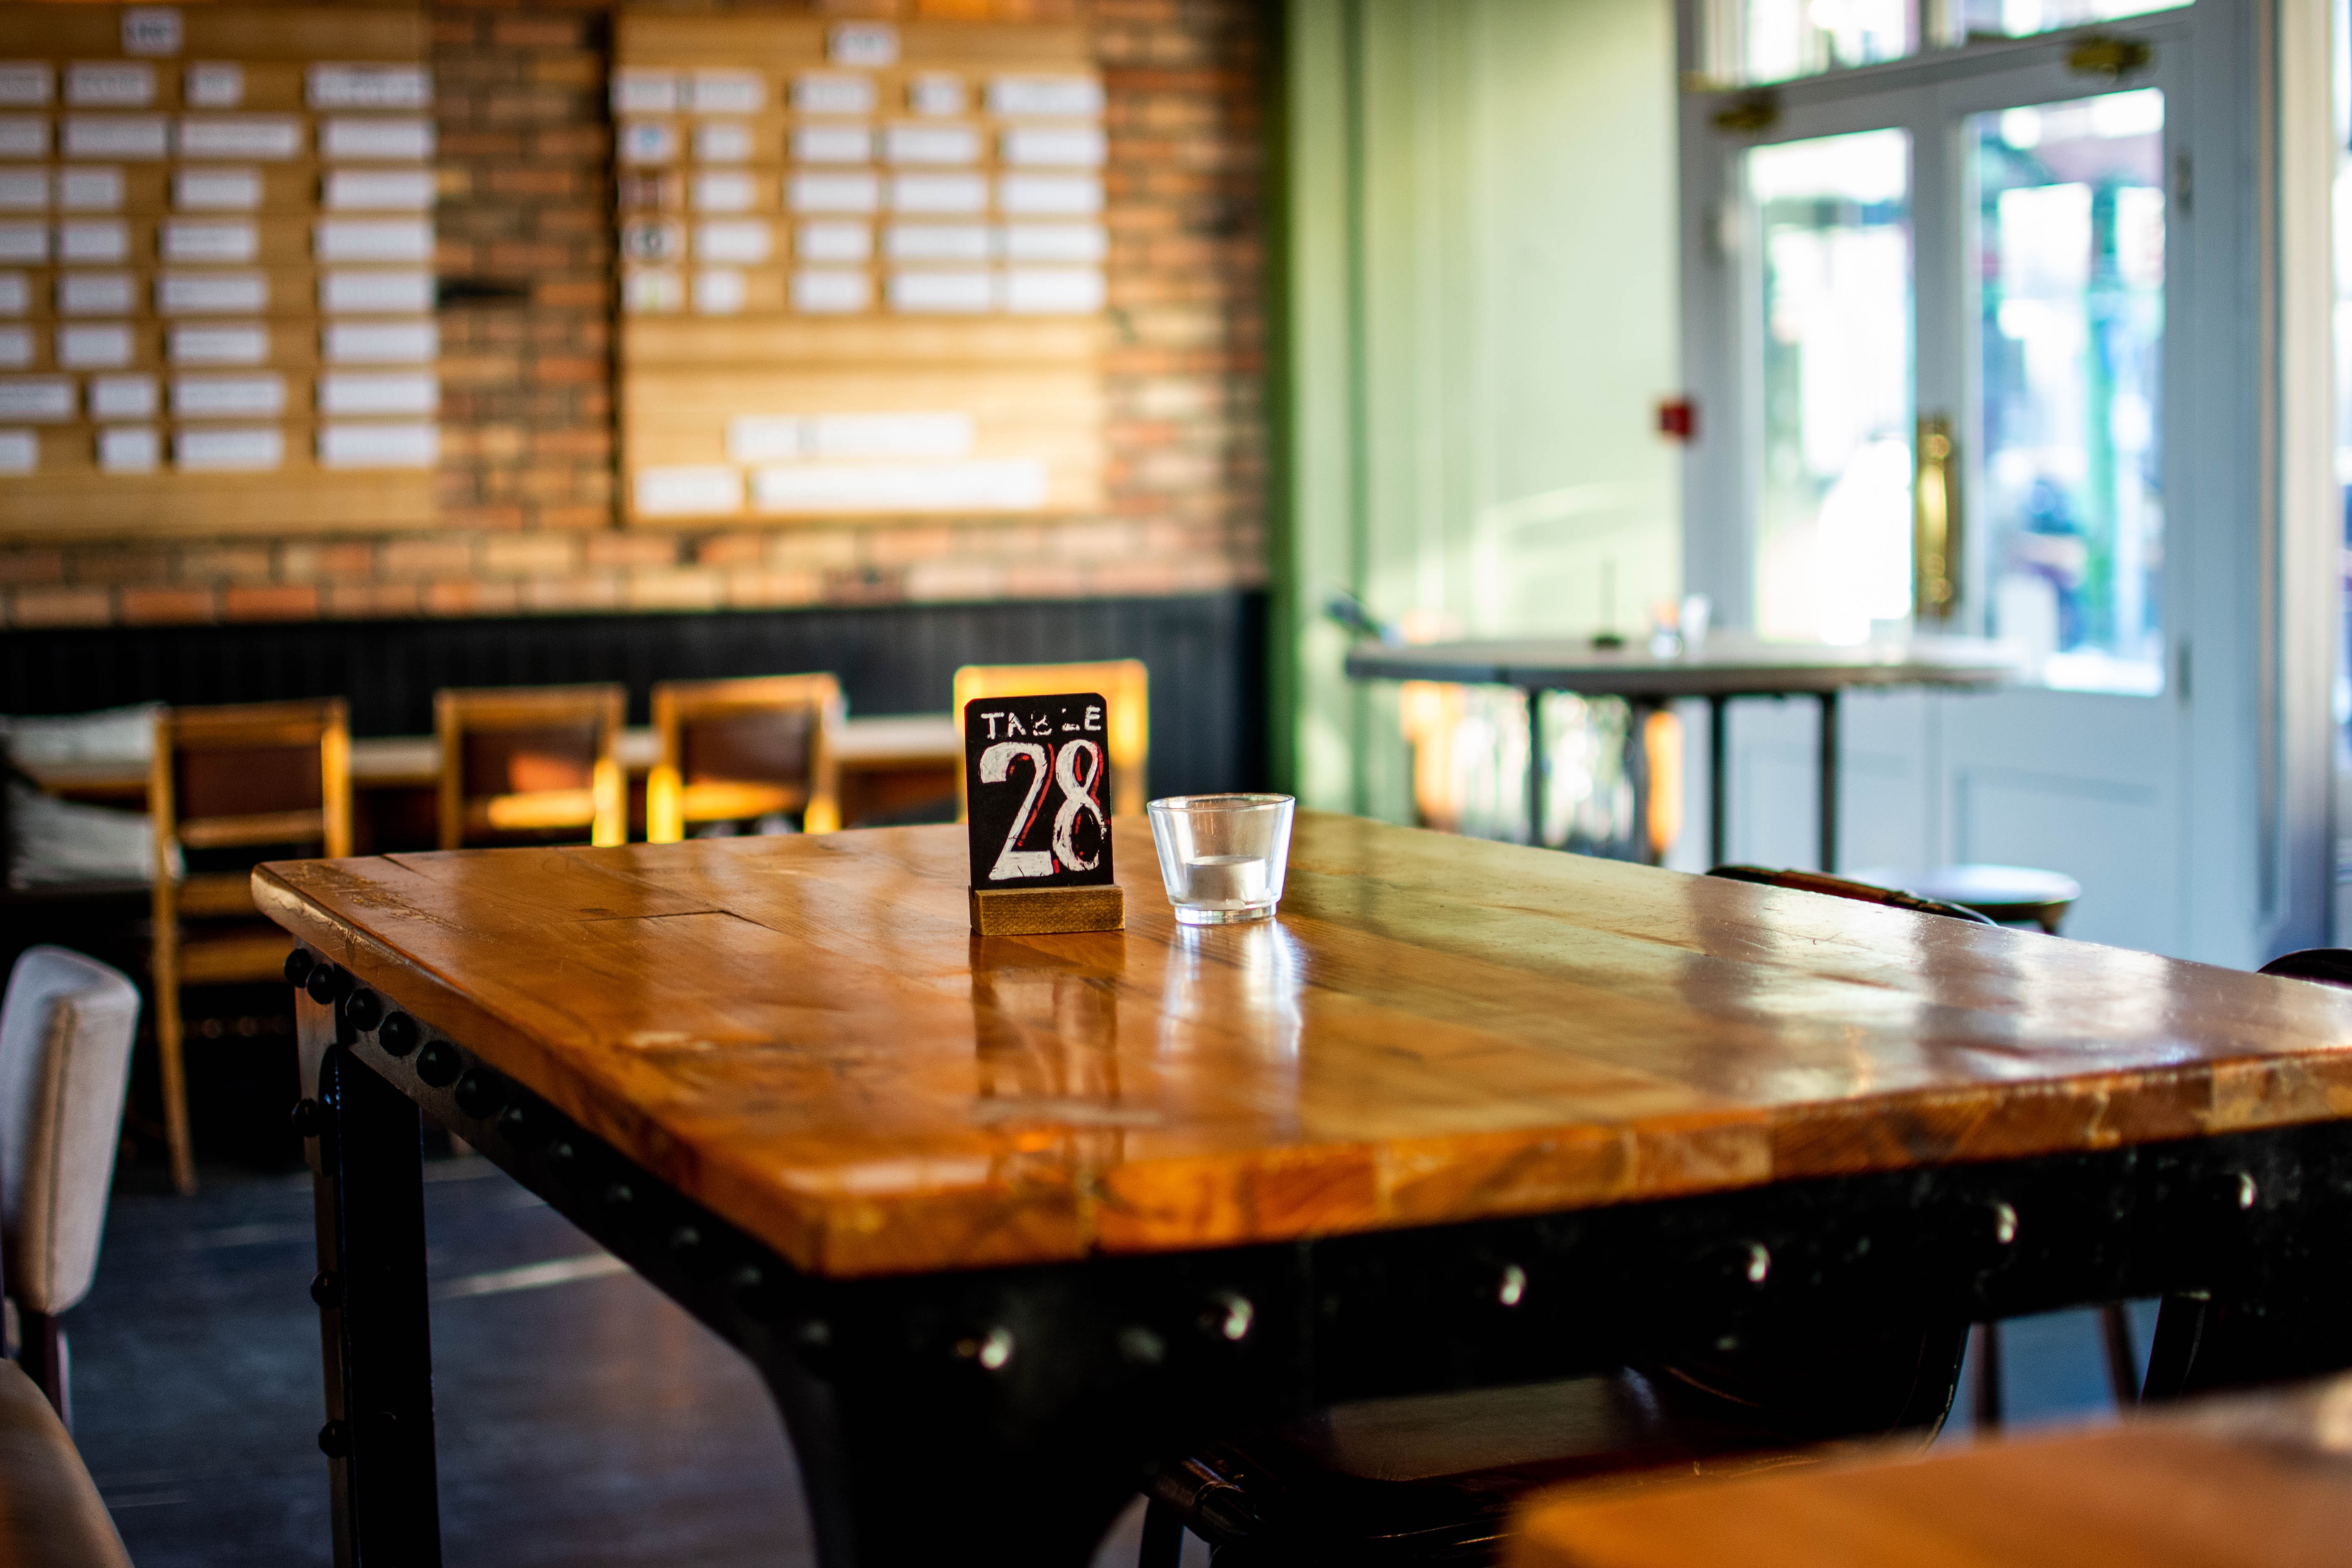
column 1206, row 654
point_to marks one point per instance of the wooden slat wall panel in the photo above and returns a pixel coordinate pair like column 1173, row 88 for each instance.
column 1205, row 652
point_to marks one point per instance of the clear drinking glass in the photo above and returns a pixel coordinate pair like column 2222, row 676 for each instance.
column 1222, row 855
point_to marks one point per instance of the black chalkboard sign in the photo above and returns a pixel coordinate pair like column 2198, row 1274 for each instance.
column 1036, row 776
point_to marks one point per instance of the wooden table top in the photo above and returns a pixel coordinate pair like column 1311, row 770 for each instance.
column 2264, row 1482
column 1726, row 664
column 402, row 762
column 802, row 1033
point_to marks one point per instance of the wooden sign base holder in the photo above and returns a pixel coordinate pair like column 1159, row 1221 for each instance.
column 1046, row 911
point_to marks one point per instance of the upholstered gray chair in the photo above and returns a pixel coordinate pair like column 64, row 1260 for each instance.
column 50, row 1513
column 65, row 1063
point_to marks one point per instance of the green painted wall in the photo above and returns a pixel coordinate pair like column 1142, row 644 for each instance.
column 1480, row 258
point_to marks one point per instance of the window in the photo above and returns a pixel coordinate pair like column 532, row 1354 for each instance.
column 1832, row 220
column 2069, row 254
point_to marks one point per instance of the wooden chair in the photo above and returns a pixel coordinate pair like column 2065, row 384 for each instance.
column 1848, row 887
column 1125, row 686
column 51, row 1515
column 270, row 775
column 65, row 1030
column 2006, row 895
column 2320, row 965
column 530, row 761
column 738, row 748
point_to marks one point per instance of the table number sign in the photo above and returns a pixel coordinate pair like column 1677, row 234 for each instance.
column 1036, row 777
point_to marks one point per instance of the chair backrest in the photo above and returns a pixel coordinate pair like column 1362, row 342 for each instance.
column 2324, row 965
column 733, row 748
column 530, row 759
column 1840, row 887
column 66, row 1028
column 251, row 774
column 1125, row 686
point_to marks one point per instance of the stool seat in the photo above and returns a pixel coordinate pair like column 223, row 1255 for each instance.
column 2008, row 895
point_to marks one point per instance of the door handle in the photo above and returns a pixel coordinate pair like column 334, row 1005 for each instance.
column 1936, row 521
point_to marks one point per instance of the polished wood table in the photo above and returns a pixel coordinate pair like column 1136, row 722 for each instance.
column 1723, row 665
column 1001, row 1221
column 2261, row 1481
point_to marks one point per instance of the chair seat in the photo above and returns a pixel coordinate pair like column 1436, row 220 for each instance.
column 732, row 800
column 216, row 893
column 534, row 811
column 50, row 1513
column 2010, row 895
column 235, row 955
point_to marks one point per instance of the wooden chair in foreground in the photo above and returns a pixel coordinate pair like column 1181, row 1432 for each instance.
column 225, row 786
column 65, row 1030
column 51, row 1515
column 1124, row 684
column 732, row 750
column 530, row 761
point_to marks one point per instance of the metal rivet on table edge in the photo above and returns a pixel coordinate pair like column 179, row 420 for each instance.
column 398, row 1034
column 439, row 1064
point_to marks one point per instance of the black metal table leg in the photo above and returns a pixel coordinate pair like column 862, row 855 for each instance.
column 374, row 1324
column 1718, row 777
column 1535, row 766
column 1829, row 780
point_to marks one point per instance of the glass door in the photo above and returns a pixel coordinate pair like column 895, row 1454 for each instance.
column 2062, row 372
column 1831, row 218
column 1937, row 303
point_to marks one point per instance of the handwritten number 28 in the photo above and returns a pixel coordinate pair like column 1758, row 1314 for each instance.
column 1078, row 796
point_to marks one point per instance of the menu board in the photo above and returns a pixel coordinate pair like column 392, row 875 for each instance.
column 861, row 266
column 216, row 292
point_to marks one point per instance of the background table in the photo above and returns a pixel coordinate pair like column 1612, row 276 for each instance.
column 1724, row 666
column 886, row 761
column 2262, row 1482
column 1001, row 1220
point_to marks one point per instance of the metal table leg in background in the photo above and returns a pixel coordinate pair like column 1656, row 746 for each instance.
column 1829, row 780
column 1535, row 765
column 373, row 1325
column 1719, row 774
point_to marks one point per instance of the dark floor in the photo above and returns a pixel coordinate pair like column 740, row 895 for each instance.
column 583, row 1419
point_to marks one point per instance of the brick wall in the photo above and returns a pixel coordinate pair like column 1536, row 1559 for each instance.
column 527, row 477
